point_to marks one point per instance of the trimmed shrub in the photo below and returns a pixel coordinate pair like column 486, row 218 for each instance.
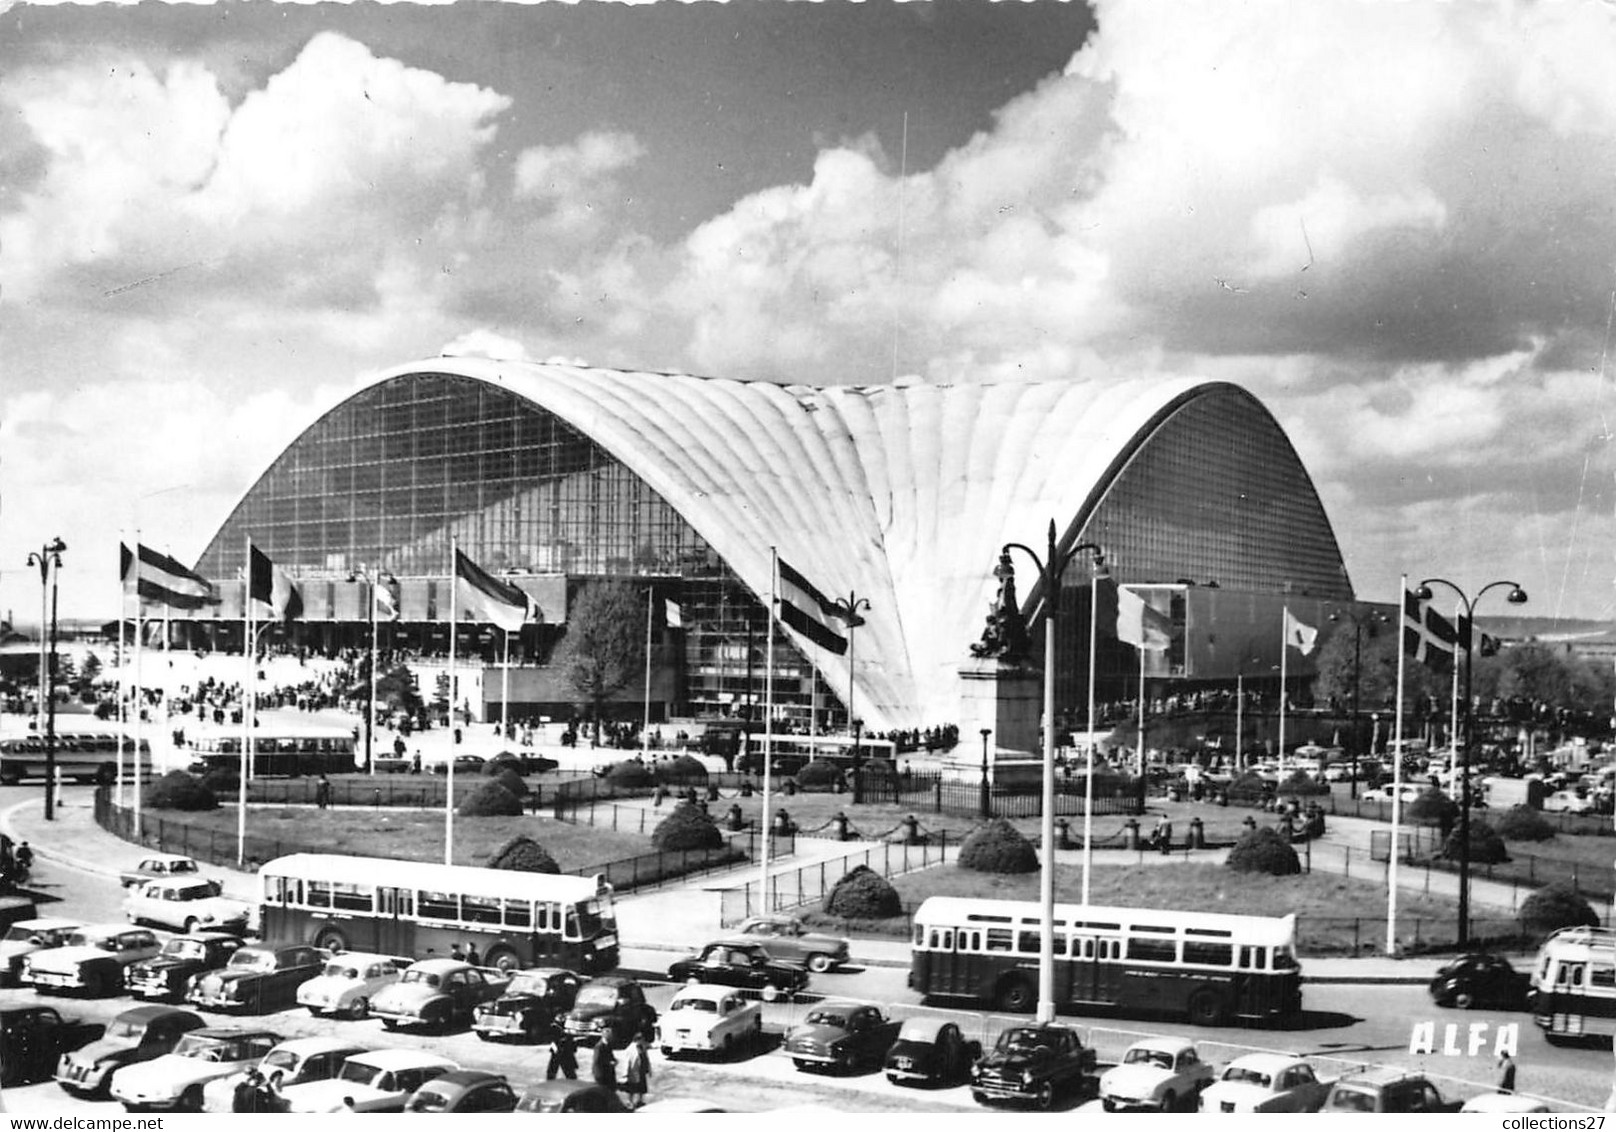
column 1486, row 847
column 1263, row 850
column 1247, row 788
column 223, row 780
column 1301, row 784
column 489, row 800
column 1557, row 906
column 178, row 790
column 512, row 781
column 998, row 847
column 819, row 776
column 687, row 827
column 1429, row 806
column 629, row 772
column 685, row 770
column 523, row 855
column 863, row 894
column 1523, row 823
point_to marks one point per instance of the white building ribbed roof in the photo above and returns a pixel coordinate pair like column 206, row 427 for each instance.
column 901, row 493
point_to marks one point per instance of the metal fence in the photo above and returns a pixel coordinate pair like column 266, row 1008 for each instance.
column 808, row 884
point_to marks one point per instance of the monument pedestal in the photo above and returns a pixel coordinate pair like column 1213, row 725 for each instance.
column 1006, row 699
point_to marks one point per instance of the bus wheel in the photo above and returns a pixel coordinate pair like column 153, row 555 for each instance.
column 107, row 774
column 1206, row 1008
column 819, row 962
column 332, row 940
column 1464, row 1000
column 504, row 959
column 1015, row 995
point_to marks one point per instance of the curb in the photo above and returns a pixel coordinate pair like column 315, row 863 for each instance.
column 50, row 852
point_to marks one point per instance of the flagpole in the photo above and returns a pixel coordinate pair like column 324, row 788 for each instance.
column 1088, row 785
column 454, row 603
column 248, row 676
column 505, row 689
column 370, row 706
column 768, row 733
column 140, row 730
column 1397, row 771
column 1142, row 710
column 1453, row 716
column 645, row 735
column 1284, row 658
column 123, row 678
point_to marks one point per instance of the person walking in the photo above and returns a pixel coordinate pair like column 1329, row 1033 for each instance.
column 322, row 793
column 471, row 954
column 637, row 1073
column 603, row 1064
column 563, row 1058
column 1506, row 1072
column 245, row 1096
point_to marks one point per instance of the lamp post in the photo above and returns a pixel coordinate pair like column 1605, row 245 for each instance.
column 858, row 776
column 1050, row 568
column 986, row 796
column 1375, row 618
column 1517, row 596
column 848, row 609
column 49, row 561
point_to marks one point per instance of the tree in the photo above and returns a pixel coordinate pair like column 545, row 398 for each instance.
column 1377, row 668
column 604, row 647
column 91, row 670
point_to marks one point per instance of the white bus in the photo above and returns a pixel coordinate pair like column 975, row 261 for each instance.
column 1573, row 986
column 1206, row 965
column 515, row 919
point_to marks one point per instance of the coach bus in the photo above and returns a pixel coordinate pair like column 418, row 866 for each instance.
column 282, row 754
column 1572, row 991
column 1209, row 966
column 89, row 757
column 515, row 919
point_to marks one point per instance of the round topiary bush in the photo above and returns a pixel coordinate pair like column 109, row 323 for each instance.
column 1523, row 823
column 1429, row 806
column 523, row 855
column 1557, row 906
column 489, row 800
column 1263, row 850
column 998, row 847
column 819, row 776
column 1248, row 787
column 1303, row 785
column 1486, row 847
column 178, row 790
column 629, row 772
column 687, row 827
column 863, row 894
column 512, row 781
column 223, row 780
column 681, row 770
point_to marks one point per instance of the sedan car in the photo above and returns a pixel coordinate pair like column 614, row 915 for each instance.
column 793, row 941
column 25, row 937
column 1567, row 802
column 571, row 1096
column 33, row 1040
column 176, row 1080
column 930, row 1051
column 92, row 960
column 745, row 965
column 348, row 982
column 531, row 1008
column 709, row 1019
column 1265, row 1082
column 297, row 1061
column 159, row 866
column 1162, row 1073
column 437, row 994
column 1482, row 980
column 166, row 975
column 141, row 1034
column 257, row 979
column 378, row 1081
column 186, row 905
column 463, row 1091
column 841, row 1035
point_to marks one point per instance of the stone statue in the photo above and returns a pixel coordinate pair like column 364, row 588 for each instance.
column 1004, row 636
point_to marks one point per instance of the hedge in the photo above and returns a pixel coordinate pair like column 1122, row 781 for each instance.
column 178, row 790
column 1263, row 850
column 688, row 826
column 998, row 847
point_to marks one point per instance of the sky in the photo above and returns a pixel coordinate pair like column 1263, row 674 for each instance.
column 1395, row 223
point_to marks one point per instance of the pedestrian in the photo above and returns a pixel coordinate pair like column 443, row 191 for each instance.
column 637, row 1073
column 25, row 859
column 245, row 1096
column 563, row 1058
column 603, row 1064
column 322, row 792
column 471, row 954
column 1506, row 1072
column 455, row 952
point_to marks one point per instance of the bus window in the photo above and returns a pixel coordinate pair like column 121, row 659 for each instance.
column 570, row 927
column 1208, row 954
column 1154, row 950
column 1284, row 960
column 1569, row 975
column 999, row 939
column 352, row 897
column 1602, row 977
column 479, row 910
column 518, row 914
column 920, row 935
column 942, row 939
column 319, row 894
column 1031, row 942
column 439, row 906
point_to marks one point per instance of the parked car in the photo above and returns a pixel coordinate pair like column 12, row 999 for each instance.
column 1482, row 980
column 437, row 994
column 1504, row 1102
column 166, row 975
column 791, row 940
column 571, row 1096
column 176, row 1080
column 521, row 763
column 746, row 965
column 531, row 1007
column 378, row 1081
column 348, row 983
column 159, row 866
column 1164, row 1073
column 92, row 960
column 186, row 905
column 296, row 1061
column 1567, row 802
column 1265, row 1082
column 25, row 937
column 709, row 1019
column 33, row 1040
column 1386, row 1089
column 611, row 1004
column 463, row 764
column 1032, row 1064
column 931, row 1051
column 841, row 1035
column 140, row 1034
column 257, row 979
column 463, row 1091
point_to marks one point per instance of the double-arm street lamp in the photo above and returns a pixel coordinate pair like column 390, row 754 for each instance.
column 848, row 609
column 1467, row 627
column 1358, row 622
column 1050, row 568
column 49, row 561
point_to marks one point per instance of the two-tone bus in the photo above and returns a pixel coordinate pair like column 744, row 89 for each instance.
column 1572, row 992
column 1209, row 966
column 515, row 919
column 82, row 757
column 279, row 754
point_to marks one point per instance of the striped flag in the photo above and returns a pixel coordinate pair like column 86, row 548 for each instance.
column 1141, row 624
column 1486, row 645
column 1299, row 636
column 809, row 612
column 492, row 599
column 273, row 587
column 157, row 577
column 1428, row 637
column 386, row 593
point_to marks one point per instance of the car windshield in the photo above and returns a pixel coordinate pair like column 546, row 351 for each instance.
column 827, row 1018
column 180, row 948
column 125, row 1029
column 203, row 1049
column 80, row 939
column 427, row 1100
column 280, row 1059
column 340, row 971
column 361, row 1073
column 705, row 1005
column 597, row 996
column 20, row 934
column 1148, row 1057
column 414, row 975
column 1239, row 1075
column 250, row 960
column 1024, row 1039
column 1350, row 1100
column 529, row 984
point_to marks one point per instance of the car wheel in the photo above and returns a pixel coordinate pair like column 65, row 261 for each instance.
column 1015, row 996
column 359, row 1008
column 190, row 924
column 330, row 939
column 1169, row 1101
column 819, row 963
column 1206, row 1008
column 190, row 1100
column 1108, row 1104
column 1046, row 1096
column 1464, row 1000
column 503, row 959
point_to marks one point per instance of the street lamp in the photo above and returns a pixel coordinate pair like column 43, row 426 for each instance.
column 1050, row 568
column 858, row 777
column 987, row 798
column 49, row 561
column 1375, row 618
column 848, row 608
column 1517, row 596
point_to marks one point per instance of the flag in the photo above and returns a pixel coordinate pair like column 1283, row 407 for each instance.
column 1428, row 637
column 386, row 594
column 492, row 599
column 159, row 578
column 808, row 611
column 672, row 614
column 271, row 586
column 1141, row 624
column 1485, row 645
column 1297, row 635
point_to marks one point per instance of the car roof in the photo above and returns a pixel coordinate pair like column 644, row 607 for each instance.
column 206, row 937
column 113, row 928
column 466, row 1078
column 1172, row 1042
column 361, row 958
column 397, row 1058
column 1267, row 1062
column 320, row 1043
column 224, row 1032
column 611, row 980
column 559, row 1087
column 923, row 1026
column 702, row 990
column 438, row 964
column 48, row 923
column 842, row 1004
column 166, row 858
column 1379, row 1075
column 148, row 1013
